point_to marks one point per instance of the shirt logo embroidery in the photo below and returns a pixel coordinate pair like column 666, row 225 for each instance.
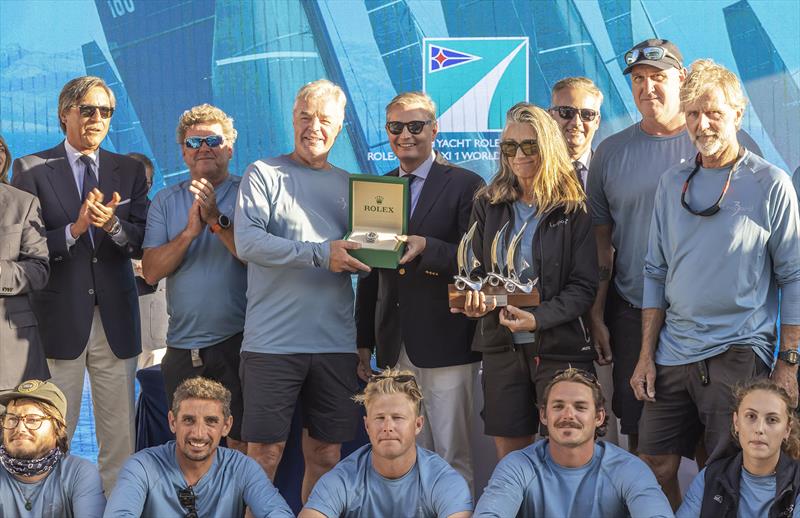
column 718, row 499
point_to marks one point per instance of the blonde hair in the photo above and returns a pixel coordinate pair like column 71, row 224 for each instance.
column 792, row 443
column 556, row 184
column 416, row 99
column 202, row 388
column 75, row 90
column 321, row 89
column 386, row 383
column 579, row 83
column 206, row 114
column 7, row 165
column 705, row 76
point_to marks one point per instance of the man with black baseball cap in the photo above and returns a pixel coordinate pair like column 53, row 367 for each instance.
column 624, row 173
column 39, row 477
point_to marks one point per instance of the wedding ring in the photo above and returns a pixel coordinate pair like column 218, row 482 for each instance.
column 371, row 237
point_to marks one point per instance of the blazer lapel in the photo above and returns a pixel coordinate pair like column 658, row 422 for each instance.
column 434, row 185
column 63, row 182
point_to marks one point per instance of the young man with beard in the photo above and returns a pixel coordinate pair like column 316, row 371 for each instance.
column 724, row 237
column 391, row 476
column 193, row 475
column 570, row 473
column 39, row 476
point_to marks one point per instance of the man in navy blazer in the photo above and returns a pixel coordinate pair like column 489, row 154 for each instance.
column 404, row 313
column 94, row 206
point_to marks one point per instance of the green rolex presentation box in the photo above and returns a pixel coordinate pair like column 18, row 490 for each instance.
column 378, row 219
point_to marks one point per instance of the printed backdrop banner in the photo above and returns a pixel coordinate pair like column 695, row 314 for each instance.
column 475, row 58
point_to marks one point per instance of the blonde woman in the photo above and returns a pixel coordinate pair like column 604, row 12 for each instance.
column 536, row 186
column 763, row 479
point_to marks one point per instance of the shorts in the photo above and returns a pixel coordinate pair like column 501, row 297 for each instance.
column 324, row 383
column 220, row 363
column 511, row 382
column 686, row 409
column 624, row 323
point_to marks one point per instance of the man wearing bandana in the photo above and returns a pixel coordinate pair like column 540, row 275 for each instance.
column 38, row 476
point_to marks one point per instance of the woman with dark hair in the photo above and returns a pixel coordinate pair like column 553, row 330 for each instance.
column 537, row 196
column 764, row 478
column 5, row 160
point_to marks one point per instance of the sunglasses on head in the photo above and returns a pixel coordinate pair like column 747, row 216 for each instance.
column 528, row 147
column 568, row 113
column 188, row 501
column 650, row 53
column 87, row 110
column 197, row 142
column 400, row 378
column 414, row 127
column 572, row 371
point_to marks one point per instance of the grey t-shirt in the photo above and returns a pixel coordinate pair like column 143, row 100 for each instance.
column 717, row 277
column 623, row 177
column 286, row 215
column 72, row 489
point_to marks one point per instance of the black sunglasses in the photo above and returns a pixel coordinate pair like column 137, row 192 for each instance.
column 401, row 378
column 197, row 142
column 568, row 113
column 87, row 110
column 188, row 500
column 710, row 211
column 414, row 127
column 528, row 147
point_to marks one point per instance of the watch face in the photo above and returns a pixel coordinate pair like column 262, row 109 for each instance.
column 224, row 221
column 791, row 357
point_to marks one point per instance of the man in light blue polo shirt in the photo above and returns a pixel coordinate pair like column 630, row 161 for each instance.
column 571, row 473
column 189, row 240
column 724, row 237
column 193, row 475
column 391, row 476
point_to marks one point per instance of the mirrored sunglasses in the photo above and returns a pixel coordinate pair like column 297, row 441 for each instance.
column 197, row 142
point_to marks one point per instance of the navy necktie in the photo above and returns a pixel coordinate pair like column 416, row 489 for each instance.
column 411, row 178
column 89, row 183
column 89, row 178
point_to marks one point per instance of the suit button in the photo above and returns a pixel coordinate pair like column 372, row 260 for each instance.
column 91, row 291
column 401, row 271
column 94, row 259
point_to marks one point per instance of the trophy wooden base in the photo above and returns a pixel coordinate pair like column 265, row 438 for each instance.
column 457, row 298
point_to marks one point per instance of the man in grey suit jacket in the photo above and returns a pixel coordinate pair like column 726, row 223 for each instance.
column 94, row 207
column 23, row 269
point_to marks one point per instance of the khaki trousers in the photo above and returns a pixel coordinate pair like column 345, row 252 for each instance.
column 447, row 408
column 112, row 384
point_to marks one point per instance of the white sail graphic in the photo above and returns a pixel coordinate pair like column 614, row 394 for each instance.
column 471, row 112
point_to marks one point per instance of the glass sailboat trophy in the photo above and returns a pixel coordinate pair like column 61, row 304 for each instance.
column 506, row 281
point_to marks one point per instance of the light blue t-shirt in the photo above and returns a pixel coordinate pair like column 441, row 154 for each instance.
column 286, row 215
column 524, row 213
column 149, row 482
column 756, row 496
column 206, row 293
column 623, row 177
column 353, row 489
column 72, row 490
column 717, row 277
column 528, row 483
